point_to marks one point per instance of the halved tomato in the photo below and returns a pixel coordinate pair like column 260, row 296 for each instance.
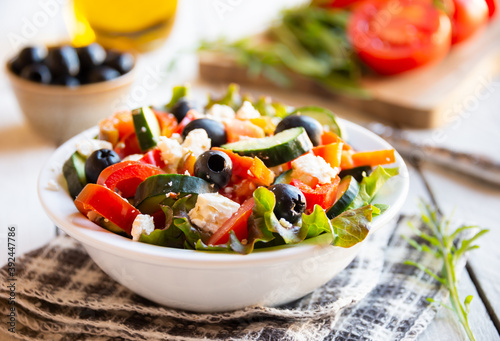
column 492, row 7
column 395, row 36
column 469, row 17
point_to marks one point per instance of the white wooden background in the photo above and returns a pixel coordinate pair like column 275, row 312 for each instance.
column 477, row 130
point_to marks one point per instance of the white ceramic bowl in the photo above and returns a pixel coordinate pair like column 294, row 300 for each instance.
column 214, row 282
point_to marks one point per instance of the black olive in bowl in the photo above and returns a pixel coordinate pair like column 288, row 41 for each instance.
column 215, row 130
column 313, row 127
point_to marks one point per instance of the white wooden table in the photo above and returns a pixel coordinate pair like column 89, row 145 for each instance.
column 22, row 152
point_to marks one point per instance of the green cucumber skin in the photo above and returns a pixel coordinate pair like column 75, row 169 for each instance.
column 146, row 138
column 346, row 199
column 284, row 178
column 111, row 227
column 74, row 174
column 277, row 154
column 357, row 172
column 153, row 190
column 323, row 116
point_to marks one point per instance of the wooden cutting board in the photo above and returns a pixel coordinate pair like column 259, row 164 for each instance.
column 425, row 98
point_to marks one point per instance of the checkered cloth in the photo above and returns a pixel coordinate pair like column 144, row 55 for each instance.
column 61, row 294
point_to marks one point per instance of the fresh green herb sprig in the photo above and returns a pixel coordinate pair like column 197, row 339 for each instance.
column 446, row 245
column 308, row 40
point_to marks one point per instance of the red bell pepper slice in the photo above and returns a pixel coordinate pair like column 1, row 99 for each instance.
column 168, row 123
column 236, row 223
column 153, row 157
column 371, row 158
column 116, row 127
column 249, row 168
column 124, row 177
column 331, row 153
column 330, row 137
column 323, row 195
column 108, row 204
column 128, row 145
column 190, row 116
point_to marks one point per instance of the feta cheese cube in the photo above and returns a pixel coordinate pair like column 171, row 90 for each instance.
column 211, row 211
column 143, row 223
column 309, row 166
column 220, row 112
column 133, row 157
column 247, row 111
column 87, row 146
column 171, row 152
column 196, row 142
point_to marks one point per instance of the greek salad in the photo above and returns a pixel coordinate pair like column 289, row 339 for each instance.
column 235, row 176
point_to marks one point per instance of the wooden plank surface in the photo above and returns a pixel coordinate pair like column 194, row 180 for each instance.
column 423, row 98
column 445, row 326
column 481, row 206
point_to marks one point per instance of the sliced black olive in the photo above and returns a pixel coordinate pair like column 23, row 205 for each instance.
column 66, row 80
column 102, row 74
column 91, row 56
column 290, row 202
column 63, row 61
column 98, row 161
column 215, row 167
column 313, row 128
column 121, row 61
column 37, row 73
column 181, row 108
column 215, row 130
column 27, row 56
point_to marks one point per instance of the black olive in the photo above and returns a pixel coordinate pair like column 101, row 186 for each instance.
column 98, row 161
column 63, row 61
column 181, row 108
column 313, row 127
column 102, row 74
column 121, row 61
column 37, row 73
column 215, row 130
column 91, row 56
column 66, row 80
column 215, row 167
column 27, row 56
column 290, row 202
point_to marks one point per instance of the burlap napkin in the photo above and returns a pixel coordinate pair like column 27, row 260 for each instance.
column 62, row 295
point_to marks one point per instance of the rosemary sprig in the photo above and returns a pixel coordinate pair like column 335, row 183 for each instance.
column 308, row 40
column 444, row 244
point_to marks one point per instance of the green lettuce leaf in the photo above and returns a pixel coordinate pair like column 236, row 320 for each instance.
column 232, row 98
column 352, row 227
column 178, row 92
column 178, row 231
column 316, row 223
column 370, row 185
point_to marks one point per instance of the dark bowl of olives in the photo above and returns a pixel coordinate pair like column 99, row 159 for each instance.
column 63, row 90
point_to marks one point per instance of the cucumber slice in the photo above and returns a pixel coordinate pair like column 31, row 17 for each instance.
column 274, row 150
column 348, row 190
column 104, row 223
column 284, row 178
column 74, row 174
column 152, row 191
column 357, row 172
column 146, row 127
column 324, row 116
